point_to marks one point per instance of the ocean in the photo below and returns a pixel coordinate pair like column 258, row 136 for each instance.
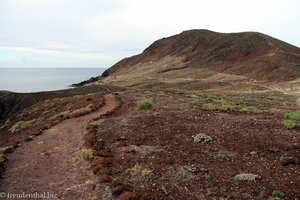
column 26, row 80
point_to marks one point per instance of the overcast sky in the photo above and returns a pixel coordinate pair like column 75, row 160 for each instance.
column 98, row 33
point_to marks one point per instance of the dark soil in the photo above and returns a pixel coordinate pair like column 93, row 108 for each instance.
column 152, row 153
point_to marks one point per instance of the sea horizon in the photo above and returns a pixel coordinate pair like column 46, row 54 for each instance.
column 34, row 79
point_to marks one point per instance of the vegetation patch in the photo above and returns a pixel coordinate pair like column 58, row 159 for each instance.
column 291, row 119
column 60, row 116
column 125, row 120
column 97, row 122
column 2, row 159
column 278, row 194
column 45, row 112
column 185, row 172
column 145, row 149
column 246, row 177
column 81, row 111
column 209, row 106
column 138, row 170
column 202, row 138
column 21, row 125
column 249, row 109
column 87, row 153
column 294, row 115
column 144, row 105
column 224, row 153
column 220, row 102
column 40, row 120
column 193, row 104
column 288, row 123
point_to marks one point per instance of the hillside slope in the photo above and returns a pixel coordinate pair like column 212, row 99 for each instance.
column 205, row 55
column 203, row 48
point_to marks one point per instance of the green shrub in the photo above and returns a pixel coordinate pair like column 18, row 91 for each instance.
column 21, row 125
column 294, row 115
column 288, row 123
column 87, row 153
column 278, row 194
column 144, row 106
column 290, row 120
column 193, row 104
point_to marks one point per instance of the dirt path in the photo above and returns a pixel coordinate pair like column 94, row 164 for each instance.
column 51, row 162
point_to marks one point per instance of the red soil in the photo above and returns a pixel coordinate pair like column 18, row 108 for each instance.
column 51, row 162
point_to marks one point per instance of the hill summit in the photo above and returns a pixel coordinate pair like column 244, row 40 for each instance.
column 202, row 55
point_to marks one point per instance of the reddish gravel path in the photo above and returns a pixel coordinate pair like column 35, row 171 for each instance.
column 51, row 162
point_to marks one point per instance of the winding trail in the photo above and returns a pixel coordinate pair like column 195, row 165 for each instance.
column 51, row 162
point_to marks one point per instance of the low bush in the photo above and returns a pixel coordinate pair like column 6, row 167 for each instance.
column 21, row 125
column 138, row 170
column 87, row 153
column 81, row 111
column 294, row 115
column 288, row 123
column 209, row 106
column 290, row 119
column 193, row 104
column 144, row 105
